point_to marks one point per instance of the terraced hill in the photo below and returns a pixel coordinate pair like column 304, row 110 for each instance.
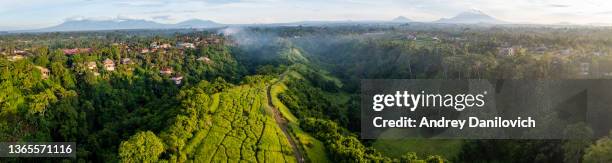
column 239, row 127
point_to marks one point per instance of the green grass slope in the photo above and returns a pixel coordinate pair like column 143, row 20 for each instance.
column 239, row 129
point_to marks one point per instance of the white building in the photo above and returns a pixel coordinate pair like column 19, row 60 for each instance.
column 204, row 59
column 506, row 51
column 166, row 71
column 186, row 45
column 91, row 65
column 566, row 52
column 177, row 79
column 126, row 61
column 109, row 65
column 15, row 58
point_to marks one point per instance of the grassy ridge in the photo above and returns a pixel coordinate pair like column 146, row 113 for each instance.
column 275, row 91
column 314, row 149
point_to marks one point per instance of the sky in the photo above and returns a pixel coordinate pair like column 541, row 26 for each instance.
column 31, row 14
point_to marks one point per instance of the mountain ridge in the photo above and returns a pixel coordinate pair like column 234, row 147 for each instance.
column 468, row 17
column 471, row 17
column 401, row 19
column 119, row 24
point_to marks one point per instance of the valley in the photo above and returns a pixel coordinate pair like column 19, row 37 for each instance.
column 270, row 94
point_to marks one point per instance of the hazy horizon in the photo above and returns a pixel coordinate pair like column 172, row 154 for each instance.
column 33, row 14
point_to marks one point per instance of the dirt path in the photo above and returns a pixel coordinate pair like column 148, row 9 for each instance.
column 282, row 122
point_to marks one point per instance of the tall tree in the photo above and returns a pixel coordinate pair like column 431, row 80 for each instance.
column 142, row 147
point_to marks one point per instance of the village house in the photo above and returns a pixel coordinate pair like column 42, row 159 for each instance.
column 91, row 65
column 204, row 59
column 411, row 37
column 166, row 71
column 435, row 38
column 15, row 58
column 565, row 52
column 44, row 72
column 212, row 40
column 76, row 51
column 154, row 45
column 109, row 65
column 177, row 79
column 126, row 61
column 145, row 50
column 70, row 51
column 508, row 51
column 186, row 45
column 165, row 46
column 19, row 52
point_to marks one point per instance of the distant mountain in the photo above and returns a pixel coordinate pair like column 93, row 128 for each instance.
column 330, row 22
column 600, row 24
column 92, row 25
column 401, row 19
column 471, row 17
column 197, row 23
